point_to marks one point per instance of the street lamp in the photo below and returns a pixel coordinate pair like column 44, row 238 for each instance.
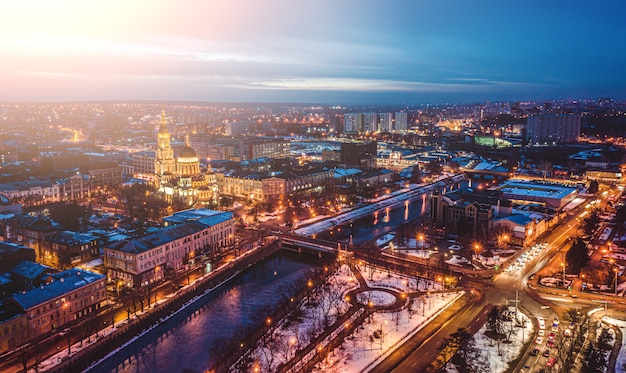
column 563, row 265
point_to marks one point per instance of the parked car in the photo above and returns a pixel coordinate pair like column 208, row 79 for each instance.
column 551, row 361
column 546, row 353
column 539, row 340
column 534, row 352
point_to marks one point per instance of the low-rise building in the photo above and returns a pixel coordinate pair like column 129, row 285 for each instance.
column 70, row 249
column 13, row 327
column 550, row 194
column 31, row 192
column 140, row 261
column 70, row 296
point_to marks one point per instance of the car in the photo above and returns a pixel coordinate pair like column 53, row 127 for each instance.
column 550, row 343
column 551, row 361
column 541, row 332
column 551, row 336
column 546, row 353
column 539, row 340
column 555, row 328
column 534, row 352
column 555, row 322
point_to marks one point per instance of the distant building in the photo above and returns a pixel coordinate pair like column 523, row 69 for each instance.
column 401, row 121
column 370, row 122
column 552, row 195
column 144, row 162
column 31, row 192
column 352, row 123
column 553, row 128
column 463, row 213
column 361, row 155
column 180, row 178
column 604, row 175
column 28, row 275
column 268, row 186
column 385, row 123
column 269, row 147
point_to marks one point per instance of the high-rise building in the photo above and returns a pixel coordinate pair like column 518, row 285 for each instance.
column 553, row 128
column 370, row 122
column 385, row 122
column 352, row 122
column 401, row 121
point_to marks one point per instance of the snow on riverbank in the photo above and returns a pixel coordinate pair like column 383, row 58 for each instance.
column 382, row 334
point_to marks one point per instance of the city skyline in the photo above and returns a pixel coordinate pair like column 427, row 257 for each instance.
column 322, row 52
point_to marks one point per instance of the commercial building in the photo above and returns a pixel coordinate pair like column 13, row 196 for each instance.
column 552, row 195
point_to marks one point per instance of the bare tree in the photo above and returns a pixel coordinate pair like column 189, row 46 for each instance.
column 128, row 301
column 570, row 347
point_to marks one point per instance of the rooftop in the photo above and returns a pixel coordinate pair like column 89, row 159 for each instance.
column 63, row 283
column 30, row 270
column 535, row 188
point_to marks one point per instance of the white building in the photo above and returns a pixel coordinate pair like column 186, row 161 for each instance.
column 385, row 122
column 401, row 122
column 352, row 122
column 370, row 122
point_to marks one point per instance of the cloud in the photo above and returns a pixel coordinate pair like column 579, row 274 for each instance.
column 380, row 85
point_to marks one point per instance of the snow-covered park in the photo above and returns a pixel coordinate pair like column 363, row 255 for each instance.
column 371, row 341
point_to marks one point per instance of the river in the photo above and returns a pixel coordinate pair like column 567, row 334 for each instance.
column 380, row 222
column 184, row 342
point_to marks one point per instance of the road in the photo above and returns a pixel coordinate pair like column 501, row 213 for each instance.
column 546, row 303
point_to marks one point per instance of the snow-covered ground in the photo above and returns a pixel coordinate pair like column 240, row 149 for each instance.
column 367, row 345
column 289, row 335
column 379, row 277
column 621, row 357
column 553, row 282
column 500, row 356
column 382, row 334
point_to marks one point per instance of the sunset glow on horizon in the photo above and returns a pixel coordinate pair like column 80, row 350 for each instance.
column 399, row 51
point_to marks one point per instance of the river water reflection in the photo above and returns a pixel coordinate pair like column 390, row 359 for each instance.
column 183, row 343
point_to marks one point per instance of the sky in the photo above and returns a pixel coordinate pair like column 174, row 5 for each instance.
column 322, row 51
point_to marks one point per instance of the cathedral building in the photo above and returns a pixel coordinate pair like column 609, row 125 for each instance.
column 180, row 178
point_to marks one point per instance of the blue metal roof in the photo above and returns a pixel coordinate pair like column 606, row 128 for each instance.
column 29, row 270
column 63, row 283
